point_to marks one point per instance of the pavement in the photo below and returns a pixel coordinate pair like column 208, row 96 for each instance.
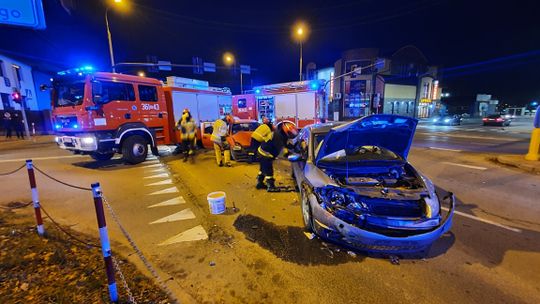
column 518, row 161
column 258, row 252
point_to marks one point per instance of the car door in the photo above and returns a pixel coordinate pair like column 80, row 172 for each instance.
column 206, row 131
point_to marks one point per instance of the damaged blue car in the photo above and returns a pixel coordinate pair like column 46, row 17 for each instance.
column 357, row 188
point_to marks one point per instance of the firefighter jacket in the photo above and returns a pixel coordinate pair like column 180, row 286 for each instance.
column 220, row 130
column 187, row 127
column 263, row 133
column 273, row 147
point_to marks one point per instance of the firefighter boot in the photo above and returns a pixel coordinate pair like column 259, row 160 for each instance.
column 260, row 182
column 271, row 185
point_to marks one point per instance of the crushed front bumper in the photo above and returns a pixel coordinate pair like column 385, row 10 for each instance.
column 328, row 226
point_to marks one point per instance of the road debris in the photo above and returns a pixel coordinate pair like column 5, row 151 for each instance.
column 309, row 235
column 394, row 259
column 351, row 253
column 212, row 263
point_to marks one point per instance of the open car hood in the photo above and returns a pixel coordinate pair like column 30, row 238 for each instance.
column 392, row 132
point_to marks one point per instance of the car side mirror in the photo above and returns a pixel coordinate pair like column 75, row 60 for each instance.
column 293, row 158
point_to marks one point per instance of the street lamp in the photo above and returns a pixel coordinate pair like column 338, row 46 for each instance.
column 229, row 60
column 300, row 33
column 141, row 74
column 111, row 53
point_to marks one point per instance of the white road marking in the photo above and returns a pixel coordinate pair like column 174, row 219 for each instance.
column 161, row 175
column 484, row 221
column 39, row 158
column 152, row 166
column 160, row 170
column 161, row 183
column 465, row 166
column 173, row 201
column 444, row 149
column 151, row 157
column 165, row 191
column 193, row 234
column 185, row 214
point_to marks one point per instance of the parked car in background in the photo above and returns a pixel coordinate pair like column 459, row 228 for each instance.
column 496, row 120
column 240, row 138
column 358, row 189
column 448, row 120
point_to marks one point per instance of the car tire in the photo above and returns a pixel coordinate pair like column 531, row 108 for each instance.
column 134, row 149
column 306, row 211
column 102, row 156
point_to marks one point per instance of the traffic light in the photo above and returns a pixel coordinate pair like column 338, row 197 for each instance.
column 16, row 96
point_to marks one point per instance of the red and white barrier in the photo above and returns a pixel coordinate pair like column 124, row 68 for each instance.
column 35, row 197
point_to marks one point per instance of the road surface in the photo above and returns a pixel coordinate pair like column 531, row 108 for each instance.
column 260, row 254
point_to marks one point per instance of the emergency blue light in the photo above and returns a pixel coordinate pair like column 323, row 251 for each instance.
column 57, row 126
column 314, row 85
column 75, row 126
column 534, row 103
column 257, row 91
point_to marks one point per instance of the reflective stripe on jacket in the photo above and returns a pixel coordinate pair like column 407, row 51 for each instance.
column 263, row 133
column 273, row 147
column 219, row 130
column 188, row 129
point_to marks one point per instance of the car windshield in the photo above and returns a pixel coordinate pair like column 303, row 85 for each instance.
column 359, row 154
column 245, row 126
column 68, row 94
column 494, row 116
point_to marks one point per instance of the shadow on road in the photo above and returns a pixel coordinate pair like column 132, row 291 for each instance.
column 290, row 244
column 103, row 165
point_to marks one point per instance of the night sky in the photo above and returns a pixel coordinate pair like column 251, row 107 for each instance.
column 483, row 46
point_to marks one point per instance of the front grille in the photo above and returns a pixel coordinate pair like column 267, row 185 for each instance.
column 67, row 121
column 393, row 208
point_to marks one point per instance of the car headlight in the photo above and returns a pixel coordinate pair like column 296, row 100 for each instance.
column 447, row 120
column 342, row 203
column 435, row 120
column 433, row 207
column 237, row 147
column 56, row 139
column 88, row 140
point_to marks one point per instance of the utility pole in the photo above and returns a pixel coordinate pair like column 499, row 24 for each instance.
column 23, row 106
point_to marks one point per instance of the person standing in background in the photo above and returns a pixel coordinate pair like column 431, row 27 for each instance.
column 7, row 122
column 18, row 123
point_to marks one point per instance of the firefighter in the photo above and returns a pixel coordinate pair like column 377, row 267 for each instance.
column 187, row 128
column 219, row 138
column 263, row 133
column 269, row 150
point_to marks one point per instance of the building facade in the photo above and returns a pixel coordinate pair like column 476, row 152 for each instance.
column 399, row 83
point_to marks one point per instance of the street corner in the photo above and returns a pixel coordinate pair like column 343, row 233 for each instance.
column 519, row 162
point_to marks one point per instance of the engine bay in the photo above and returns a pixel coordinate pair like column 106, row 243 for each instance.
column 403, row 177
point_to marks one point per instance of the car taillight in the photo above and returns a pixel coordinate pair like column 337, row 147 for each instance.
column 484, row 119
column 499, row 119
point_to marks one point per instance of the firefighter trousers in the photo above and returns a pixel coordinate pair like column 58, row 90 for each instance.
column 224, row 159
column 266, row 166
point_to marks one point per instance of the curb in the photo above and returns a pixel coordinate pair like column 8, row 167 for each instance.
column 524, row 165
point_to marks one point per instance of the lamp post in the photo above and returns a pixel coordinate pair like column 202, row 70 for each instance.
column 229, row 60
column 111, row 53
column 300, row 33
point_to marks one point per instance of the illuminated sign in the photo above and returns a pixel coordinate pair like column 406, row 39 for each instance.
column 425, row 100
column 435, row 90
column 331, row 85
column 24, row 13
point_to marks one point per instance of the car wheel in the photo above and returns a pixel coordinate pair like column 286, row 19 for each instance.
column 134, row 149
column 306, row 211
column 101, row 156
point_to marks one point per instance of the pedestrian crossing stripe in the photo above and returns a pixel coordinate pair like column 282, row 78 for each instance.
column 185, row 214
column 162, row 175
column 160, row 170
column 152, row 166
column 161, row 183
column 173, row 201
column 194, row 234
column 165, row 191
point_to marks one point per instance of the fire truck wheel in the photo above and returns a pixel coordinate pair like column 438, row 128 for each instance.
column 102, row 156
column 134, row 149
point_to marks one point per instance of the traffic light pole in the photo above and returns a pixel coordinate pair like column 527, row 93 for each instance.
column 23, row 106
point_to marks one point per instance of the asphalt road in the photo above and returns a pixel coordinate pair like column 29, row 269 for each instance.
column 472, row 136
column 259, row 254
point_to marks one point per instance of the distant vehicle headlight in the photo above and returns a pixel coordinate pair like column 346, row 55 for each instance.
column 88, row 140
column 447, row 120
column 435, row 119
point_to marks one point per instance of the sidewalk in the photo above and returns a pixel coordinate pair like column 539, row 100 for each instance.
column 14, row 143
column 518, row 161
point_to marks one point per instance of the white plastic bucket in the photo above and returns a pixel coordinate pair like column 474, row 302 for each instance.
column 216, row 202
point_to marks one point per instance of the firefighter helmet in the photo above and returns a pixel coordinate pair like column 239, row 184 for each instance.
column 288, row 129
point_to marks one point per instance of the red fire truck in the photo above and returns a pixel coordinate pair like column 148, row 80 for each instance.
column 101, row 114
column 301, row 102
